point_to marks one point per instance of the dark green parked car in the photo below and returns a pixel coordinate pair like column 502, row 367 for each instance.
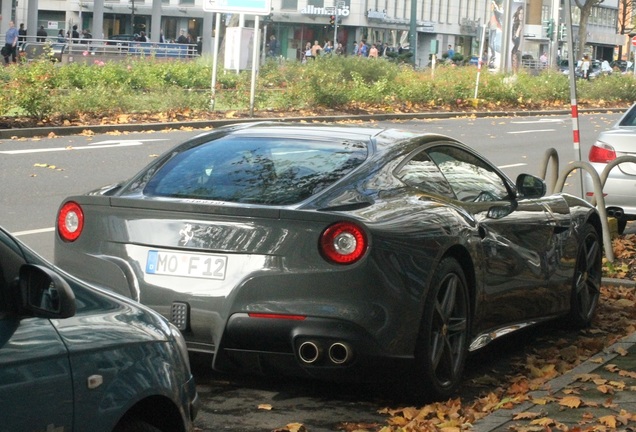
column 76, row 358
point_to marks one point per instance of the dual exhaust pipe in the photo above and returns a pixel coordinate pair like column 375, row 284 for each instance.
column 338, row 353
column 615, row 212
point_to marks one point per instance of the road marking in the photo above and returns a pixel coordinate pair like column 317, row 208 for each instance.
column 531, row 131
column 35, row 231
column 99, row 145
column 511, row 165
column 538, row 121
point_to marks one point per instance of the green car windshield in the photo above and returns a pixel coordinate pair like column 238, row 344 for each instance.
column 256, row 170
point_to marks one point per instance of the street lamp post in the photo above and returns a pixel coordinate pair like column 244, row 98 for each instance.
column 413, row 31
column 339, row 5
column 132, row 16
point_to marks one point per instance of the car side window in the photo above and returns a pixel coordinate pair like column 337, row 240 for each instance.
column 422, row 173
column 471, row 178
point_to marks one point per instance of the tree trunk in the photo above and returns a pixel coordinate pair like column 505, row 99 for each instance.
column 586, row 11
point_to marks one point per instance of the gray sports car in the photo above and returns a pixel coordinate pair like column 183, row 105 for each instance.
column 337, row 251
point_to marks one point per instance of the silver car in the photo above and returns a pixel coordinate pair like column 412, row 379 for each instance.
column 620, row 187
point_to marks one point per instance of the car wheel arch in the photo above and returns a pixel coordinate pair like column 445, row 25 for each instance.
column 158, row 411
column 462, row 256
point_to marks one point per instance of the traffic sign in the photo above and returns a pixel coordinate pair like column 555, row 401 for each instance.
column 634, row 41
column 252, row 7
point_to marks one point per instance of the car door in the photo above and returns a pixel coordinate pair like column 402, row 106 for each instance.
column 35, row 376
column 516, row 238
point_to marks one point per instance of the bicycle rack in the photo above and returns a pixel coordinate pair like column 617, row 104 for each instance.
column 598, row 182
column 598, row 191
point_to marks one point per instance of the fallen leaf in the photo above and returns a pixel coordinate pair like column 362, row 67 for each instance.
column 570, row 402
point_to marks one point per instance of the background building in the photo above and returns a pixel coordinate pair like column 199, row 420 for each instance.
column 456, row 23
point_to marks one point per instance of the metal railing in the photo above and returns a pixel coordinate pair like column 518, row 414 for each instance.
column 598, row 182
column 34, row 46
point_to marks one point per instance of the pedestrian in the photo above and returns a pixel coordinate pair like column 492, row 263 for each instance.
column 22, row 33
column 307, row 52
column 272, row 50
column 162, row 39
column 363, row 49
column 373, row 51
column 42, row 34
column 543, row 60
column 450, row 53
column 339, row 49
column 86, row 36
column 142, row 37
column 316, row 50
column 355, row 48
column 585, row 67
column 11, row 44
column 182, row 39
column 328, row 48
column 75, row 34
column 60, row 36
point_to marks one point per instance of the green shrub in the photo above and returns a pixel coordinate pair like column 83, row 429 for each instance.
column 41, row 89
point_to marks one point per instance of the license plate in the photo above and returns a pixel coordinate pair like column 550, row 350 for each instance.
column 186, row 264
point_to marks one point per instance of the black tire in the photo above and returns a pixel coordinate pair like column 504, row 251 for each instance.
column 442, row 345
column 586, row 283
column 135, row 425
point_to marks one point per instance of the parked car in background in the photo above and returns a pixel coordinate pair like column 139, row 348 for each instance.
column 597, row 69
column 337, row 252
column 620, row 188
column 619, row 65
column 78, row 358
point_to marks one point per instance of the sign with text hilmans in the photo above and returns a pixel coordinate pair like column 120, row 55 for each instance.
column 251, row 7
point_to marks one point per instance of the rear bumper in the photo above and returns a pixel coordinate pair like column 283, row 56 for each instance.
column 317, row 347
column 619, row 190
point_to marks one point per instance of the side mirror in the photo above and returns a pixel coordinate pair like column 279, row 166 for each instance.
column 45, row 294
column 529, row 186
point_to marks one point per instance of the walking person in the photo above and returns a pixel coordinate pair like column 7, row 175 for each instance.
column 373, row 52
column 42, row 34
column 22, row 33
column 585, row 67
column 11, row 44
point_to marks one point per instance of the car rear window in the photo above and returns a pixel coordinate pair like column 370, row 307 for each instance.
column 630, row 118
column 256, row 170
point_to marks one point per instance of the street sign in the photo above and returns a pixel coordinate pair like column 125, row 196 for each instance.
column 634, row 41
column 251, row 7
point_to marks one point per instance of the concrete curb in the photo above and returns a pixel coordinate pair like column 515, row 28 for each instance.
column 497, row 419
column 201, row 124
column 618, row 282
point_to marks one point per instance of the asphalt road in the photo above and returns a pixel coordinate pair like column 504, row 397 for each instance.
column 36, row 174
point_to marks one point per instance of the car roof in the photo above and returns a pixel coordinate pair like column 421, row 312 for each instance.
column 380, row 138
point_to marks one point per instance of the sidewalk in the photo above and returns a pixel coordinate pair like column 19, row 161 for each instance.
column 597, row 395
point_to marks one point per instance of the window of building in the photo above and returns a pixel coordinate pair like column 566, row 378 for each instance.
column 289, row 5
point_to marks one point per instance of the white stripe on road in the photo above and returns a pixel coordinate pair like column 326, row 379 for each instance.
column 532, row 131
column 99, row 145
column 538, row 121
column 512, row 165
column 35, row 231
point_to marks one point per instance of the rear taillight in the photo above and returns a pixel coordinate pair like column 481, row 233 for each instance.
column 343, row 243
column 70, row 221
column 602, row 153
